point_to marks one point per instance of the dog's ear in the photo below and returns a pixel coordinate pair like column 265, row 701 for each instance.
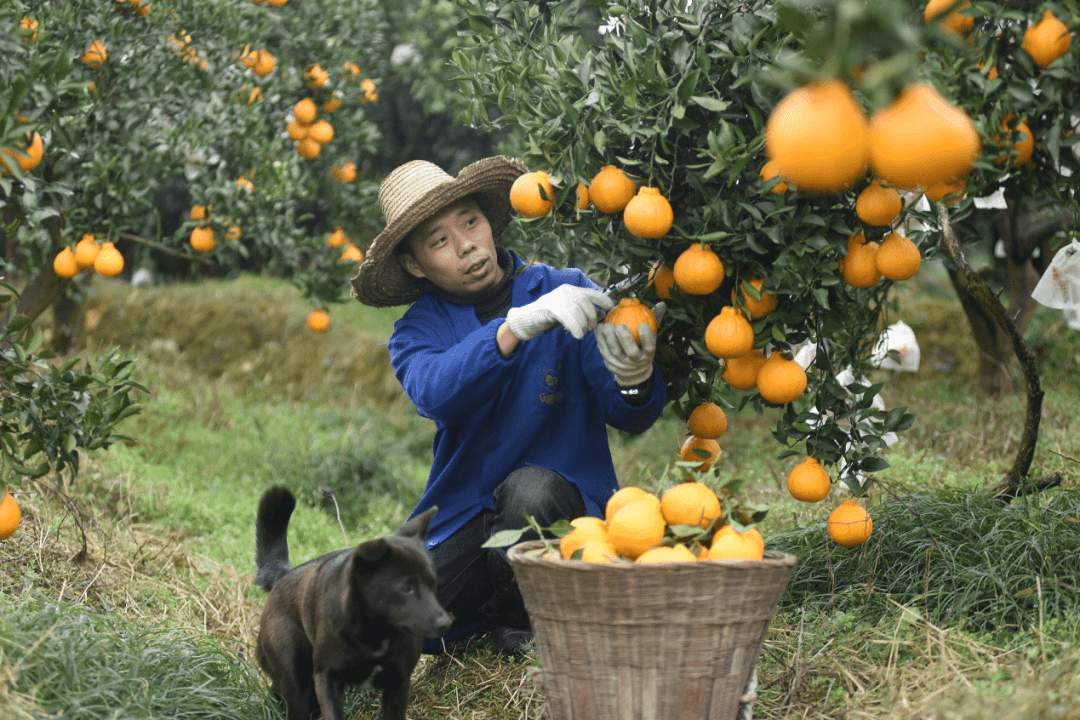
column 418, row 526
column 371, row 551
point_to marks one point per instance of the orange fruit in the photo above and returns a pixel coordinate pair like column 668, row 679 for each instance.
column 198, row 212
column 95, row 55
column 264, row 63
column 878, row 205
column 949, row 191
column 631, row 312
column 920, row 139
column 532, row 194
column 338, row 238
column 315, row 76
column 698, row 270
column 729, row 544
column 707, row 420
column 729, row 334
column 991, row 74
column 202, row 239
column 296, row 130
column 690, row 503
column 65, row 265
column 305, row 111
column 819, row 136
column 808, row 481
column 370, row 96
column 233, row 233
column 598, row 551
column 29, row 160
column 770, row 170
column 109, row 262
column 662, row 278
column 31, row 27
column 351, row 254
column 318, row 320
column 741, row 372
column 346, row 172
column 666, row 554
column 332, row 105
column 585, row 529
column 635, row 528
column 690, row 448
column 86, row 251
column 648, row 214
column 780, row 379
column 611, row 190
column 582, row 197
column 897, row 258
column 954, row 21
column 245, row 183
column 623, row 497
column 321, row 131
column 1047, row 40
column 849, row 524
column 10, row 515
column 1023, row 149
column 760, row 307
column 308, row 148
column 858, row 266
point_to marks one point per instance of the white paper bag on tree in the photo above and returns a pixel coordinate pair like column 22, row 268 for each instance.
column 1059, row 287
column 899, row 337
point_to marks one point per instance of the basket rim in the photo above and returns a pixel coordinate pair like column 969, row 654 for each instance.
column 520, row 553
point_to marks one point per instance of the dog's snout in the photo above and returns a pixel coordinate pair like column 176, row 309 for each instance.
column 443, row 624
column 438, row 622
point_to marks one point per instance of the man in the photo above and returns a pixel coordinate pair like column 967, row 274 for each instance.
column 512, row 363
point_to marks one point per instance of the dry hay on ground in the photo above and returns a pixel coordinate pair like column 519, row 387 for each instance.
column 70, row 551
column 907, row 668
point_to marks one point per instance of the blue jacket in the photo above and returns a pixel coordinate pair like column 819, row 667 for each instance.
column 547, row 405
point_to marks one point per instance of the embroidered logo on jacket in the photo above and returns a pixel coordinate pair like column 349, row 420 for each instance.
column 550, row 392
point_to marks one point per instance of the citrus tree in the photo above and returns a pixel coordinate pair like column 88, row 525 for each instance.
column 688, row 102
column 183, row 137
column 136, row 101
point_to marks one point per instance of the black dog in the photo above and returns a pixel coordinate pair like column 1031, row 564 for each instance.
column 349, row 616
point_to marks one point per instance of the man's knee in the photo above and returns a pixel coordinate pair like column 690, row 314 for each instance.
column 541, row 493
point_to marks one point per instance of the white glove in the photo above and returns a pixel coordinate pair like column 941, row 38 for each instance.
column 575, row 308
column 630, row 363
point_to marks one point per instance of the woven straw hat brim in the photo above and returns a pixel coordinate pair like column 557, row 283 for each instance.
column 381, row 281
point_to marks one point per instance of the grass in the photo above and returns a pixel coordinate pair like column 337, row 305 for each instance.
column 945, row 614
column 85, row 666
column 956, row 557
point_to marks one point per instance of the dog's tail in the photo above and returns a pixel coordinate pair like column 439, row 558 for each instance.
column 271, row 542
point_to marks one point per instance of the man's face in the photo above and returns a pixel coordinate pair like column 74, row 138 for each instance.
column 454, row 249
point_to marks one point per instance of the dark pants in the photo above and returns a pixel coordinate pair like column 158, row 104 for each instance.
column 475, row 584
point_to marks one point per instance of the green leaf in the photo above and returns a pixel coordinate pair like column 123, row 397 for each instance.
column 709, row 103
column 505, row 538
column 17, row 323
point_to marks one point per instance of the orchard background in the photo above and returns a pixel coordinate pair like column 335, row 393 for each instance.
column 117, row 392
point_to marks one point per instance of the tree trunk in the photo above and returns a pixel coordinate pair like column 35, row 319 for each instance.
column 1023, row 228
column 987, row 305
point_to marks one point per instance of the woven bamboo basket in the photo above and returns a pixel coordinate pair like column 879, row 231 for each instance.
column 674, row 641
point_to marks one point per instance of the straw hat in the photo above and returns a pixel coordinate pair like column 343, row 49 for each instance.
column 411, row 194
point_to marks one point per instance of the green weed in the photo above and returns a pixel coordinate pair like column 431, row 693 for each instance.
column 66, row 662
column 958, row 557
